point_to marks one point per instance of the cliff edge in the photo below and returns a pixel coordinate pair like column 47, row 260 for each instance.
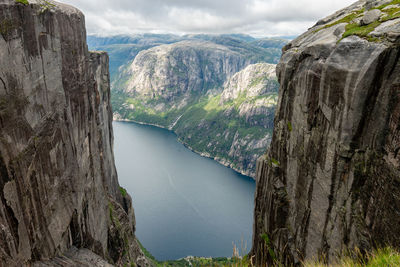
column 331, row 178
column 60, row 201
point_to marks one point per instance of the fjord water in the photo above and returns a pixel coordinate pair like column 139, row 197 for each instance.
column 185, row 204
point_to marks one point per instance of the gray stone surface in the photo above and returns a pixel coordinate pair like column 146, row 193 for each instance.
column 331, row 181
column 58, row 183
column 371, row 16
column 374, row 3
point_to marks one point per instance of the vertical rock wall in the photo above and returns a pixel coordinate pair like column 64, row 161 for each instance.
column 331, row 178
column 59, row 190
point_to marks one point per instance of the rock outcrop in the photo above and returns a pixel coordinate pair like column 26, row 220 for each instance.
column 60, row 201
column 331, row 178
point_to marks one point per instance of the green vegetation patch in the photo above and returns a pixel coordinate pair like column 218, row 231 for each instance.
column 290, row 127
column 361, row 31
column 392, row 13
column 346, row 19
column 123, row 191
column 353, row 28
column 274, row 162
column 379, row 258
column 111, row 211
column 24, row 2
column 395, row 2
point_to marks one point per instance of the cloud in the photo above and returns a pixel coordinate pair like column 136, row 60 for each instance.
column 254, row 17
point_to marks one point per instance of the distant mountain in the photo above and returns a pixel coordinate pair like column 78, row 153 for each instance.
column 270, row 42
column 210, row 37
column 122, row 49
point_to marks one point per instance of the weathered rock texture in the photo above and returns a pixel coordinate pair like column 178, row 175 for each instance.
column 59, row 192
column 331, row 179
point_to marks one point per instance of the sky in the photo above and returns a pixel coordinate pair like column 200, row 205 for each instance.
column 259, row 18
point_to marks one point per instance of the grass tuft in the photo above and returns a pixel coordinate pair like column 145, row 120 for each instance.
column 123, row 191
column 24, row 2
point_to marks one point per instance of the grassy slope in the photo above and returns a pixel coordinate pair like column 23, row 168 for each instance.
column 386, row 257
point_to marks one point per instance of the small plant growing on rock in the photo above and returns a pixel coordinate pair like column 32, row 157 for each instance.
column 123, row 191
column 24, row 2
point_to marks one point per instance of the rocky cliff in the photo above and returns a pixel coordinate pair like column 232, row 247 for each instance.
column 60, row 202
column 331, row 178
column 176, row 71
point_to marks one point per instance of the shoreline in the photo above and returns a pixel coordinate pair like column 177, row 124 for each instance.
column 202, row 154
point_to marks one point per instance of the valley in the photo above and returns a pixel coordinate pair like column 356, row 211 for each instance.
column 217, row 93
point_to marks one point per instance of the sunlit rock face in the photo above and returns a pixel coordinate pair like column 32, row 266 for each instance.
column 331, row 178
column 60, row 201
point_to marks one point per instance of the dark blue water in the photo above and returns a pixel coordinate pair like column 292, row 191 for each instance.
column 184, row 204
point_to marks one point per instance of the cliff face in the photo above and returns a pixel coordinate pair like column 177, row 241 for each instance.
column 331, row 179
column 59, row 192
column 172, row 71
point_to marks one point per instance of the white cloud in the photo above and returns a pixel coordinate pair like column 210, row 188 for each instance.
column 254, row 17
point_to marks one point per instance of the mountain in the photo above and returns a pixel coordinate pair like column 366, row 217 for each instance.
column 183, row 87
column 330, row 182
column 270, row 43
column 123, row 49
column 60, row 201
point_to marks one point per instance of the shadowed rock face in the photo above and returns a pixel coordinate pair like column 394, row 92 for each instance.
column 331, row 179
column 59, row 192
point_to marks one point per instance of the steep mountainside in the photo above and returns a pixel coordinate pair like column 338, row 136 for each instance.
column 181, row 87
column 60, row 202
column 234, row 126
column 177, row 71
column 331, row 179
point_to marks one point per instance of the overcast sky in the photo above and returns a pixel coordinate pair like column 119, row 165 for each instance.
column 255, row 17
